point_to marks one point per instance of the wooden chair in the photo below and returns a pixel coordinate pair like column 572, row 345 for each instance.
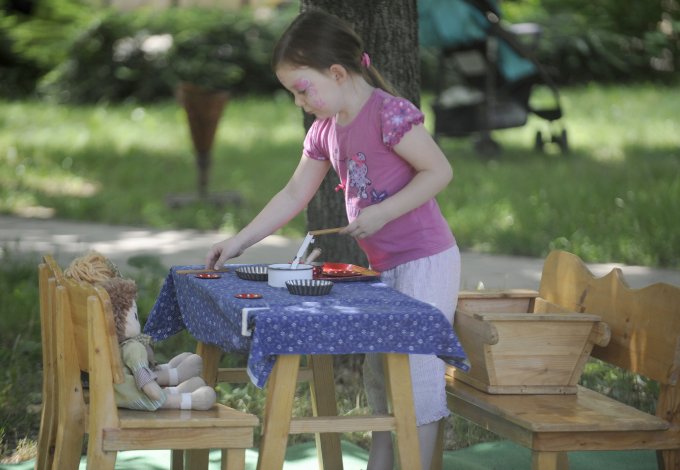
column 645, row 339
column 86, row 341
column 48, row 273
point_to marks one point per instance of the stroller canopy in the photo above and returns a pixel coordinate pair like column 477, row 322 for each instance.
column 459, row 24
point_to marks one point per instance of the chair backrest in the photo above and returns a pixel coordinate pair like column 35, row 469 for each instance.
column 46, row 289
column 644, row 323
column 49, row 274
column 80, row 301
column 48, row 271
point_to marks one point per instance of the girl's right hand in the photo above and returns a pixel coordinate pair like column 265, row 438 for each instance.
column 221, row 252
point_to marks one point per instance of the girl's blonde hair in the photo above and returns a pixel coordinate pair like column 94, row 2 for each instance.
column 318, row 40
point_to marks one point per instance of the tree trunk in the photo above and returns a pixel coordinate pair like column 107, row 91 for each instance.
column 389, row 29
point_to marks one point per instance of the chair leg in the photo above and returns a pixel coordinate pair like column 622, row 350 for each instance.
column 233, row 459
column 98, row 459
column 68, row 447
column 176, row 459
column 549, row 460
column 197, row 458
column 46, row 438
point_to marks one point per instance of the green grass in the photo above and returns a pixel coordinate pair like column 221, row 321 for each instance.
column 615, row 197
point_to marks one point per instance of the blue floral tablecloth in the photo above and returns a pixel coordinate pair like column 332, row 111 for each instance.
column 356, row 317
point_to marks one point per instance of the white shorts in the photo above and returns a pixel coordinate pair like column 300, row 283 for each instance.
column 435, row 280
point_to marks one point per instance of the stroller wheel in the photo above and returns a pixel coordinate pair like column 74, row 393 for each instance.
column 563, row 142
column 487, row 147
column 539, row 143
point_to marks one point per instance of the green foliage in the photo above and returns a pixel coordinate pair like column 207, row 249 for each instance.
column 20, row 349
column 35, row 40
column 627, row 17
column 620, row 384
column 231, row 54
column 609, row 41
column 115, row 58
column 141, row 56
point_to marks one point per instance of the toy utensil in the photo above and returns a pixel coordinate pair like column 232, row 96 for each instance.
column 326, row 231
column 309, row 239
column 313, row 255
column 199, row 271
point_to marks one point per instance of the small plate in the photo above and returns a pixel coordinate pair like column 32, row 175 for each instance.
column 208, row 276
column 253, row 272
column 309, row 287
column 248, row 295
column 340, row 273
column 344, row 272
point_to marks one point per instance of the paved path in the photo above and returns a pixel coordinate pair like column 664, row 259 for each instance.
column 68, row 239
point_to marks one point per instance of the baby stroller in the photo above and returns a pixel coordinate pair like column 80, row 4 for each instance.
column 486, row 74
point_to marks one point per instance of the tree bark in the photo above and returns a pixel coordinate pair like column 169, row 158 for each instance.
column 389, row 29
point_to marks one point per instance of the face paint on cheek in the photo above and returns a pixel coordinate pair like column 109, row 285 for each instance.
column 302, row 84
column 314, row 98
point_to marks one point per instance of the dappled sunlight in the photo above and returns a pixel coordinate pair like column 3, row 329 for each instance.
column 64, row 185
column 244, row 137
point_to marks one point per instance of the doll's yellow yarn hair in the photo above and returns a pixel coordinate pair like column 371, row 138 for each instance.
column 92, row 267
column 122, row 293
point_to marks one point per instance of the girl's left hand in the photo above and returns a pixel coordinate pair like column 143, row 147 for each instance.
column 370, row 220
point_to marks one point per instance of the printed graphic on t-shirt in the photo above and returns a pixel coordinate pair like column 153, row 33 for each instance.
column 358, row 174
column 357, row 170
column 377, row 197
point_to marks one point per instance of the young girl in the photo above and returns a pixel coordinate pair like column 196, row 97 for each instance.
column 390, row 169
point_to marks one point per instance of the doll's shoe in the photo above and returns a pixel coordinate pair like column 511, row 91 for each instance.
column 203, row 398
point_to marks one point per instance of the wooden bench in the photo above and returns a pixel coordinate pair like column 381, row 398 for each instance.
column 645, row 339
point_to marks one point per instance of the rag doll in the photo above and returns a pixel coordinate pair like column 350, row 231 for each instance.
column 182, row 373
column 142, row 389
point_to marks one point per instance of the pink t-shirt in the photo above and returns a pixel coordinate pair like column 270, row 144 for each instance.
column 362, row 155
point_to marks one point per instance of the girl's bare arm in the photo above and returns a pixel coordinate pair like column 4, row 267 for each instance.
column 285, row 205
column 433, row 173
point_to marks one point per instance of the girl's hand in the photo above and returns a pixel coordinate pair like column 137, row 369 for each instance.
column 370, row 220
column 221, row 252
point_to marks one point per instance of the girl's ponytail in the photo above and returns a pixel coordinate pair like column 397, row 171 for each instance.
column 374, row 77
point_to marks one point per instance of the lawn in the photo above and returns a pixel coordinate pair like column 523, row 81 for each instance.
column 614, row 197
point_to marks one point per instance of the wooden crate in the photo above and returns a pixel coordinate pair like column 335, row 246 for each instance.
column 518, row 343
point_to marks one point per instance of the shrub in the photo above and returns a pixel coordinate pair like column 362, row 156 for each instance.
column 141, row 56
column 605, row 41
column 34, row 38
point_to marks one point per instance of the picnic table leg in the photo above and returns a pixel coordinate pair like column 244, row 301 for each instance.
column 400, row 396
column 211, row 356
column 324, row 404
column 199, row 459
column 278, row 411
